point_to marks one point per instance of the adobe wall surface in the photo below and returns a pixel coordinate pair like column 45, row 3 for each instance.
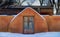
column 46, row 11
column 16, row 25
column 4, row 22
column 53, row 23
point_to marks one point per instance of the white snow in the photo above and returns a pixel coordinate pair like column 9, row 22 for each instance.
column 44, row 34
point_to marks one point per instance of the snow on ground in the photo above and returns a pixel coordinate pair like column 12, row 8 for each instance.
column 44, row 34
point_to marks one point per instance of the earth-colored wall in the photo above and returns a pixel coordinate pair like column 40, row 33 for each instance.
column 4, row 22
column 46, row 11
column 53, row 23
column 40, row 24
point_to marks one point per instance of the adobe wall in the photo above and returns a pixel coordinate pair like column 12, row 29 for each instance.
column 46, row 11
column 53, row 23
column 4, row 22
column 40, row 24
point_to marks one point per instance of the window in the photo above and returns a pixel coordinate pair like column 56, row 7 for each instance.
column 28, row 24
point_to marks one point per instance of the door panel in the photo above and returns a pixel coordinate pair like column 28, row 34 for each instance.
column 25, row 25
column 31, row 25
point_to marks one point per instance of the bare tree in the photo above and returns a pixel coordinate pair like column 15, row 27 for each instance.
column 21, row 2
column 41, row 2
column 30, row 2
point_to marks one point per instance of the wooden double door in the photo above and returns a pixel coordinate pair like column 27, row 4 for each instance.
column 28, row 25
